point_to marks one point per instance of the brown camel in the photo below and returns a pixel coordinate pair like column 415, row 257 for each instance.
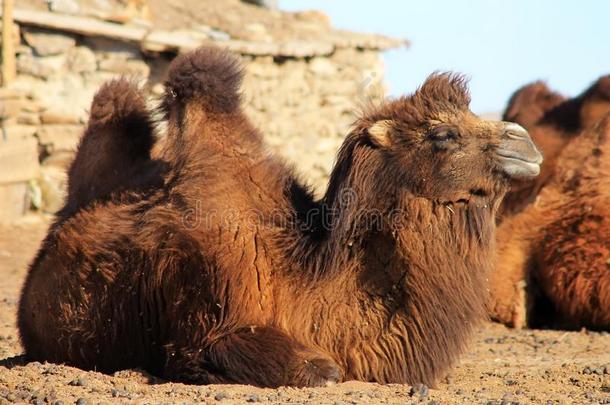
column 230, row 271
column 553, row 235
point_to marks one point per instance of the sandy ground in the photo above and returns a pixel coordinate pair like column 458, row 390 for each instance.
column 502, row 367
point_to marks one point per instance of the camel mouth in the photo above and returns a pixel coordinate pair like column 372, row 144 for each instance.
column 518, row 156
column 518, row 168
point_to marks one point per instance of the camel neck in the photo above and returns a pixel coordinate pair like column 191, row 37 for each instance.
column 415, row 290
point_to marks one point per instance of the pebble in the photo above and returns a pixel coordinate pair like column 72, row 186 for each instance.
column 253, row 398
column 420, row 390
column 220, row 396
column 79, row 382
column 81, row 401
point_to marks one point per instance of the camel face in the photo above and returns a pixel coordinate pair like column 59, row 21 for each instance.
column 447, row 153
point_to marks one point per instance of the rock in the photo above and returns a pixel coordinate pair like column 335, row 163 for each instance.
column 81, row 60
column 46, row 43
column 18, row 160
column 11, row 108
column 58, row 117
column 59, row 137
column 28, row 118
column 217, row 35
column 38, row 67
column 221, row 395
column 81, row 401
column 17, row 132
column 313, row 16
column 253, row 398
column 13, row 204
column 7, row 93
column 322, row 67
column 109, row 48
column 420, row 390
column 270, row 4
column 129, row 66
column 64, row 6
column 79, row 382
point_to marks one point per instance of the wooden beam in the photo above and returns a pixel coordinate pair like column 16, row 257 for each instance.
column 80, row 25
column 9, row 65
column 183, row 40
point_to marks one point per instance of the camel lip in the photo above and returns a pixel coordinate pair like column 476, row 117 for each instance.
column 536, row 159
column 519, row 168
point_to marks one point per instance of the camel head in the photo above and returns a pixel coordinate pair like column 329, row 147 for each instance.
column 552, row 121
column 431, row 145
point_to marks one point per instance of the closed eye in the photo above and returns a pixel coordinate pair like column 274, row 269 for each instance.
column 442, row 134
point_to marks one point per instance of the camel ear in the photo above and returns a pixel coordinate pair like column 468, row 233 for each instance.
column 380, row 133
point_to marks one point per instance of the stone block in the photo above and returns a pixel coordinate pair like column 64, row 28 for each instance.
column 59, row 137
column 12, row 132
column 18, row 160
column 57, row 116
column 47, row 43
column 81, row 60
column 28, row 118
column 53, row 184
column 41, row 67
column 123, row 66
column 11, row 108
column 14, row 201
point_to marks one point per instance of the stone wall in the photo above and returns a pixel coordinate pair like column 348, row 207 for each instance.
column 303, row 105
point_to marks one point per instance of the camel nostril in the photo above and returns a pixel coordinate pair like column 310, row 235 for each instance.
column 515, row 132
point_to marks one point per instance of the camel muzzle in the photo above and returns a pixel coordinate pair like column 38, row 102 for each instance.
column 518, row 156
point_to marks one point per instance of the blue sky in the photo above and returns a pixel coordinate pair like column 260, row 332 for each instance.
column 500, row 45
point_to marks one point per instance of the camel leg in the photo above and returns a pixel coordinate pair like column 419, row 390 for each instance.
column 117, row 141
column 261, row 356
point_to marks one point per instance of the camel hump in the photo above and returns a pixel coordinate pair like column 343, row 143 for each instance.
column 208, row 76
column 530, row 103
column 117, row 141
column 118, row 101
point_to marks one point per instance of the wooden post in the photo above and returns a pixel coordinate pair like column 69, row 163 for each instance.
column 9, row 67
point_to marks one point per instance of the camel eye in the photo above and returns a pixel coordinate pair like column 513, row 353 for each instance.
column 442, row 134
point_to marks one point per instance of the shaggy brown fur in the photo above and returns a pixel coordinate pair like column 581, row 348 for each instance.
column 542, row 268
column 232, row 273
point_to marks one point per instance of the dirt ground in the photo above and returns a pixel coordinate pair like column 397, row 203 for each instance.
column 502, row 367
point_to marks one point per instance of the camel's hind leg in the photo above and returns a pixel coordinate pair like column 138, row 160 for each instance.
column 256, row 355
column 116, row 143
